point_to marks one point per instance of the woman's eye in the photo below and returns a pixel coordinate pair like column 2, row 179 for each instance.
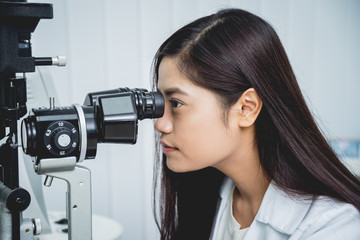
column 175, row 104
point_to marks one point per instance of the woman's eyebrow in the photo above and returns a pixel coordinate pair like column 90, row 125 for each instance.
column 171, row 91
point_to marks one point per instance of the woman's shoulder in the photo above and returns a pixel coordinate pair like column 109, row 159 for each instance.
column 328, row 209
column 330, row 218
column 329, row 205
column 323, row 206
column 305, row 217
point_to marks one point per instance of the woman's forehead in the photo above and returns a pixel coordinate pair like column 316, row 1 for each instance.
column 170, row 76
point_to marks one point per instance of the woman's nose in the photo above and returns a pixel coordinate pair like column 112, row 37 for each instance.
column 164, row 124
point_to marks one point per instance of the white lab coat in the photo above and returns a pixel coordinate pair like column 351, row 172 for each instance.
column 283, row 217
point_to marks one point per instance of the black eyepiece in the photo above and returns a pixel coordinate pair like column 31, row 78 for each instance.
column 149, row 104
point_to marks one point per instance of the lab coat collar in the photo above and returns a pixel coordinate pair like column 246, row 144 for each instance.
column 278, row 209
column 226, row 188
column 282, row 211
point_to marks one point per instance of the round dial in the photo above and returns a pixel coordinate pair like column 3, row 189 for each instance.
column 61, row 138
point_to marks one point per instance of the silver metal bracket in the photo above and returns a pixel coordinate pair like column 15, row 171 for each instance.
column 78, row 204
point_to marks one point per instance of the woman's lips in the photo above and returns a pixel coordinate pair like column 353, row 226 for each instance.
column 167, row 148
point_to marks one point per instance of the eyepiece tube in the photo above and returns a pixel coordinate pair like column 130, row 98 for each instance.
column 148, row 104
column 151, row 105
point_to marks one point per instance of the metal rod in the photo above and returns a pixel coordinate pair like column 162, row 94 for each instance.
column 48, row 61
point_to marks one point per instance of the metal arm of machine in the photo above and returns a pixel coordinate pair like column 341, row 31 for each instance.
column 78, row 204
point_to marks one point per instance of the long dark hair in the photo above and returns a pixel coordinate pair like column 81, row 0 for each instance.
column 227, row 53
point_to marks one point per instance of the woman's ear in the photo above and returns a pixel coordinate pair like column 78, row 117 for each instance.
column 248, row 108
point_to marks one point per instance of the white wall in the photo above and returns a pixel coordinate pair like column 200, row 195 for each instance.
column 111, row 44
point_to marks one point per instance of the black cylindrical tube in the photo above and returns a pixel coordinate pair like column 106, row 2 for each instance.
column 43, row 61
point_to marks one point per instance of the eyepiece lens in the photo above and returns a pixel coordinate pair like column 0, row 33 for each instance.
column 159, row 104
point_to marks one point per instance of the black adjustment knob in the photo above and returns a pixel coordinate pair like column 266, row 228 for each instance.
column 61, row 138
column 16, row 200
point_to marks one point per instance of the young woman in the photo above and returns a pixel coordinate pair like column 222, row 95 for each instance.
column 242, row 157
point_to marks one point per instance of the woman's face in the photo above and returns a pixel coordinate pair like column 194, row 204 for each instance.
column 193, row 132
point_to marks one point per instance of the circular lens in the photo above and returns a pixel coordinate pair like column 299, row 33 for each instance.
column 28, row 136
column 24, row 136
